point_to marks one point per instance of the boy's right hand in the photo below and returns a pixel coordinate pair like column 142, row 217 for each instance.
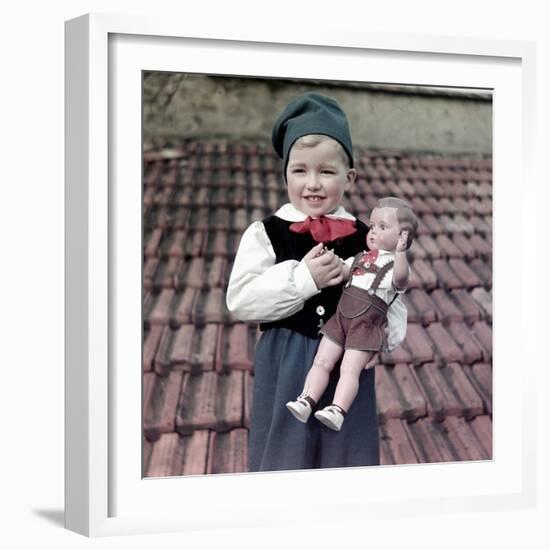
column 325, row 266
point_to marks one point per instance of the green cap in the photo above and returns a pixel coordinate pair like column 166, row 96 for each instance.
column 310, row 113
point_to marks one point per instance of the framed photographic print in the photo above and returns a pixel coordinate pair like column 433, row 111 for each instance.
column 168, row 161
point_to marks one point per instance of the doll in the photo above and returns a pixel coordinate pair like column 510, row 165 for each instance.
column 357, row 330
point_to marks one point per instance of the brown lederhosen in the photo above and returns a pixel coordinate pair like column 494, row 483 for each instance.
column 360, row 319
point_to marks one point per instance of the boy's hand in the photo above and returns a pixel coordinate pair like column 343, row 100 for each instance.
column 325, row 267
column 402, row 241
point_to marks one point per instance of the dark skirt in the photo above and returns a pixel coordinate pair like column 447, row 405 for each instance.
column 277, row 441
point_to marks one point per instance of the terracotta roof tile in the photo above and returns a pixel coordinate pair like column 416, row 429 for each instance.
column 485, row 301
column 162, row 362
column 466, row 341
column 445, row 348
column 432, row 223
column 153, row 242
column 196, row 453
column 483, row 430
column 447, row 248
column 464, row 244
column 167, row 456
column 160, row 410
column 195, row 244
column 183, row 306
column 481, row 377
column 147, row 451
column 150, row 345
column 463, row 439
column 193, row 278
column 162, row 308
column 236, row 348
column 429, row 442
column 197, row 405
column 435, row 207
column 420, row 206
column 395, row 446
column 167, row 273
column 431, row 390
column 401, row 354
column 228, row 452
column 468, row 306
column 447, row 310
column 423, row 305
column 210, row 401
column 482, row 247
column 204, row 348
column 468, row 277
column 420, row 346
column 148, row 303
column 247, row 398
column 149, row 269
column 446, row 277
column 417, row 252
column 413, row 404
column 429, row 245
column 484, row 336
column 422, row 275
column 456, row 379
column 181, row 348
column 387, row 395
column 483, row 271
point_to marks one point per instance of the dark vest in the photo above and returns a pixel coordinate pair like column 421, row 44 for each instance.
column 294, row 246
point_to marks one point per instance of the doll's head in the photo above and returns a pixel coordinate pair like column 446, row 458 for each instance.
column 389, row 218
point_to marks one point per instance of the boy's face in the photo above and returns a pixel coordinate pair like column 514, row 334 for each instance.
column 384, row 229
column 317, row 178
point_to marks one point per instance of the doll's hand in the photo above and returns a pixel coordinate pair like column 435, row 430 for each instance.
column 402, row 241
column 325, row 267
column 374, row 360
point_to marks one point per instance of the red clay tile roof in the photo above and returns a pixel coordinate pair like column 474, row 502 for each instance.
column 434, row 393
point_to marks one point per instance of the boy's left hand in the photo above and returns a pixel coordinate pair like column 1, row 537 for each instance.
column 402, row 241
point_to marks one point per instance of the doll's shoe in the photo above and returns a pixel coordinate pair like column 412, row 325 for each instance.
column 301, row 408
column 331, row 416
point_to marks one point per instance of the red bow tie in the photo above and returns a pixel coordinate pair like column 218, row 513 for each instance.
column 323, row 229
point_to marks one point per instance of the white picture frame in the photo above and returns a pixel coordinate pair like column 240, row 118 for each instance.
column 105, row 493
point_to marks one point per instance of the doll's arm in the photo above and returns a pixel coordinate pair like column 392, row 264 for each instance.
column 260, row 289
column 401, row 268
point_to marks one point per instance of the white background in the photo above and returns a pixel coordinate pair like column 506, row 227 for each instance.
column 32, row 275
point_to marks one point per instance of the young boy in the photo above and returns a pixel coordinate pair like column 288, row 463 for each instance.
column 357, row 330
column 280, row 279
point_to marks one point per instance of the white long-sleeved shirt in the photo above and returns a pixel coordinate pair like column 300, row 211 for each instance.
column 261, row 290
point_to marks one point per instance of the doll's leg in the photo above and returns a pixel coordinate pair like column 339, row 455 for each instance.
column 353, row 364
column 317, row 378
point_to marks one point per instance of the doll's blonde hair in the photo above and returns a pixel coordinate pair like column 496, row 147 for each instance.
column 405, row 216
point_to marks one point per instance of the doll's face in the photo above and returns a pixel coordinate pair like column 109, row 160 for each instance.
column 383, row 229
column 317, row 178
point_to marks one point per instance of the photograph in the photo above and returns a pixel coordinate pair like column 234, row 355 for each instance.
column 317, row 274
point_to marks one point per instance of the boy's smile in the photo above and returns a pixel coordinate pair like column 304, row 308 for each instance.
column 317, row 178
